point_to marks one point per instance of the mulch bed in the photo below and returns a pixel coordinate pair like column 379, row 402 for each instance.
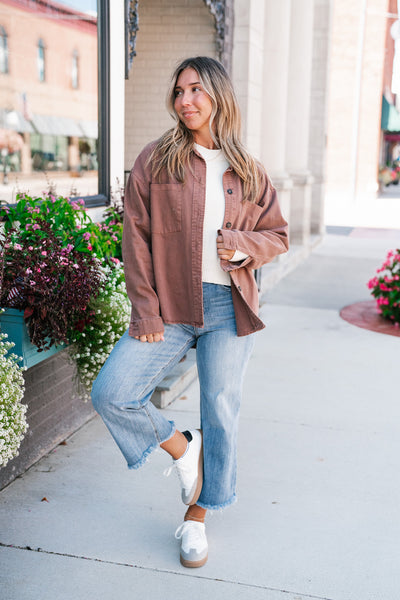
column 365, row 315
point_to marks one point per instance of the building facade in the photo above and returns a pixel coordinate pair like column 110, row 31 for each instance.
column 277, row 54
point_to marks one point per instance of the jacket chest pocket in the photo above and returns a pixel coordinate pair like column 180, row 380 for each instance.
column 166, row 207
column 249, row 215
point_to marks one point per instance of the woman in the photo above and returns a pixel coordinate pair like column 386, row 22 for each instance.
column 200, row 215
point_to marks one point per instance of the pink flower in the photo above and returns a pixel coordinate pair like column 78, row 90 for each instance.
column 69, row 248
column 86, row 235
column 30, row 248
column 28, row 271
column 27, row 226
column 18, row 246
column 44, row 253
column 90, row 247
column 114, row 237
column 78, row 226
column 116, row 261
column 36, row 226
column 75, row 266
column 372, row 282
column 38, row 270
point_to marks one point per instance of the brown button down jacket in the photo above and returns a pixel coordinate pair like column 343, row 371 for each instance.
column 162, row 245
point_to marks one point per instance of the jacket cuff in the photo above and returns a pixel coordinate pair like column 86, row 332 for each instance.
column 146, row 326
column 238, row 256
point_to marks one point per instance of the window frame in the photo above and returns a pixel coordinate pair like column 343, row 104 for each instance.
column 41, row 58
column 75, row 70
column 103, row 99
column 4, row 42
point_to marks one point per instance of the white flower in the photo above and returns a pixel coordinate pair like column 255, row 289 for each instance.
column 13, row 424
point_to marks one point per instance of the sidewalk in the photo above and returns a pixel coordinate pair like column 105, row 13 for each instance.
column 318, row 482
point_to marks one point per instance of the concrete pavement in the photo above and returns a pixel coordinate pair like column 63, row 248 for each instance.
column 318, row 481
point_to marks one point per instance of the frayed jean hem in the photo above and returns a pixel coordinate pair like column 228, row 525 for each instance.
column 146, row 454
column 218, row 506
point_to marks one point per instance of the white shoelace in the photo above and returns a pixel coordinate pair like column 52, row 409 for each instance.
column 195, row 533
column 181, row 470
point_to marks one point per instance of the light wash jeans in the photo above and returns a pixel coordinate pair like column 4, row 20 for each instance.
column 123, row 388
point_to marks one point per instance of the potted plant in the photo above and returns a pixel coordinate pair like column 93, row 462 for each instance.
column 53, row 259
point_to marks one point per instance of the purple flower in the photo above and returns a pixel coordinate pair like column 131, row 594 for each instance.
column 69, row 248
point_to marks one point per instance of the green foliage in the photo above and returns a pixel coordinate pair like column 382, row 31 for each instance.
column 68, row 221
column 385, row 287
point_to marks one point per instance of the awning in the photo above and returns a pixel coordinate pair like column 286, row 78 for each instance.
column 89, row 129
column 390, row 120
column 14, row 120
column 51, row 125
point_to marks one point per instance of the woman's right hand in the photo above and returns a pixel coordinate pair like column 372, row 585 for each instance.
column 150, row 337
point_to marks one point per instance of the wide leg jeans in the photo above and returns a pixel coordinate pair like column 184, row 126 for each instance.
column 124, row 386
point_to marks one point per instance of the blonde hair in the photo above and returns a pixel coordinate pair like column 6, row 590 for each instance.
column 174, row 148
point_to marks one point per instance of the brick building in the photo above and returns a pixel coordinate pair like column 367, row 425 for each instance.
column 48, row 87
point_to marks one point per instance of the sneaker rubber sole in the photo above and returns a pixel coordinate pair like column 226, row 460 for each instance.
column 193, row 564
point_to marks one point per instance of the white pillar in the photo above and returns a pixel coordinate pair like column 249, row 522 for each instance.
column 319, row 111
column 298, row 118
column 275, row 94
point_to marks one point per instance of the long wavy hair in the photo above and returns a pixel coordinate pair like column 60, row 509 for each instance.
column 172, row 151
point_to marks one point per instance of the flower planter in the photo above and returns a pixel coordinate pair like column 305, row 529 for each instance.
column 12, row 322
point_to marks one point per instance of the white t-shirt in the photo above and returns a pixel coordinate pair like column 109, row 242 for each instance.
column 214, row 216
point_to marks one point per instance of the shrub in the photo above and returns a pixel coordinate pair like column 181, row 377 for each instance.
column 51, row 283
column 385, row 287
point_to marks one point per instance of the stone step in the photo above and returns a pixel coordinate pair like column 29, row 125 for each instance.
column 172, row 386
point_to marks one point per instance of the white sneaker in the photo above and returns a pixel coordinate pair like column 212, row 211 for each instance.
column 194, row 547
column 190, row 469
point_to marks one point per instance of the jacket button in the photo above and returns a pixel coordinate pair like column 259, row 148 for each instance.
column 228, row 225
column 239, row 288
column 229, row 191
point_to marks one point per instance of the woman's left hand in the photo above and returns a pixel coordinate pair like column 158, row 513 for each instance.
column 223, row 253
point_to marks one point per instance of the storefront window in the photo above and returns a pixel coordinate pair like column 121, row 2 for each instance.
column 49, row 110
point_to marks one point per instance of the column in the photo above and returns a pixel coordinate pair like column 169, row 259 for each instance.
column 298, row 119
column 275, row 94
column 319, row 112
